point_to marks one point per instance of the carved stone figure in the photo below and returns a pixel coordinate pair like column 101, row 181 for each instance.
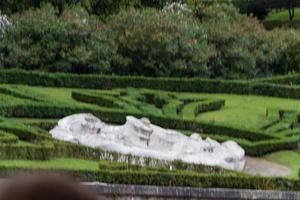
column 141, row 138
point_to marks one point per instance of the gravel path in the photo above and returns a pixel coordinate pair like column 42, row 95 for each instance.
column 263, row 167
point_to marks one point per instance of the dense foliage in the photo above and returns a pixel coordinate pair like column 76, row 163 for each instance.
column 160, row 43
column 193, row 39
column 102, row 8
column 73, row 42
column 291, row 58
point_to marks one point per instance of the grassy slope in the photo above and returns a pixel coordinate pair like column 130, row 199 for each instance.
column 282, row 15
column 290, row 159
column 57, row 163
column 240, row 111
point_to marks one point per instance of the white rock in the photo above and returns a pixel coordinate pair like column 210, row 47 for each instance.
column 141, row 138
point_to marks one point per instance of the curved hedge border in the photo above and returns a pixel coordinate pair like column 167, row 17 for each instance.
column 256, row 86
column 119, row 116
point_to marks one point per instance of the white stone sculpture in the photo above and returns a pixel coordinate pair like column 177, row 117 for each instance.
column 141, row 138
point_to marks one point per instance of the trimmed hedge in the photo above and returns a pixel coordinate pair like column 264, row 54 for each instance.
column 290, row 79
column 260, row 148
column 158, row 165
column 101, row 100
column 256, row 86
column 281, row 24
column 268, row 89
column 120, row 161
column 209, row 105
column 108, row 82
column 8, row 138
column 42, row 151
column 193, row 109
column 119, row 116
column 181, row 178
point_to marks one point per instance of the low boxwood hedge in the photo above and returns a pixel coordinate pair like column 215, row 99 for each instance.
column 256, row 87
column 172, row 178
column 26, row 151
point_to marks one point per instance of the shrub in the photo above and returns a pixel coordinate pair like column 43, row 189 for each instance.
column 169, row 178
column 3, row 23
column 15, row 6
column 214, row 40
column 160, row 43
column 243, row 46
column 74, row 42
column 291, row 58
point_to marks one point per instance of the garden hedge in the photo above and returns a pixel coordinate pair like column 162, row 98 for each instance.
column 181, row 178
column 255, row 87
column 119, row 116
column 120, row 161
column 290, row 79
column 254, row 142
column 26, row 151
column 281, row 24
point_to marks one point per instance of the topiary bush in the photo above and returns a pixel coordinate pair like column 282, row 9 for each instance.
column 73, row 42
column 160, row 43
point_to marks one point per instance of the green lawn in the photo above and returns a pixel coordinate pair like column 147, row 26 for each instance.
column 57, row 163
column 240, row 111
column 282, row 15
column 290, row 159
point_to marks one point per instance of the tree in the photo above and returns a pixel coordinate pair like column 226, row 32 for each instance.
column 291, row 7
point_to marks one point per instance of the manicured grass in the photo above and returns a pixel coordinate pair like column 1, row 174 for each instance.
column 290, row 159
column 56, row 163
column 282, row 15
column 240, row 111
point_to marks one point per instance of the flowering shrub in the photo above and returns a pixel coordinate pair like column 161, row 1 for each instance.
column 177, row 8
column 175, row 39
column 244, row 49
column 73, row 42
column 160, row 43
column 3, row 23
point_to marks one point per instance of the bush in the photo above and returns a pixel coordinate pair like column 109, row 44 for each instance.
column 19, row 6
column 160, row 43
column 3, row 24
column 169, row 178
column 73, row 42
column 243, row 46
column 102, row 8
column 291, row 58
column 197, row 39
column 21, row 151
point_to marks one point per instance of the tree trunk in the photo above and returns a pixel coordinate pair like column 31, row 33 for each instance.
column 291, row 6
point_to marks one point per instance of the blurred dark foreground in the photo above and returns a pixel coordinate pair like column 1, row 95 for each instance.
column 48, row 186
column 43, row 187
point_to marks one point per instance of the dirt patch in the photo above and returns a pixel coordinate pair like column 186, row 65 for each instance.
column 258, row 166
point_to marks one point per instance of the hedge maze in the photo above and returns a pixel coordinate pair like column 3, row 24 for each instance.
column 150, row 103
column 28, row 112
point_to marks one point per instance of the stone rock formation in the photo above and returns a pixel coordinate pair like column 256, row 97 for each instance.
column 141, row 138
